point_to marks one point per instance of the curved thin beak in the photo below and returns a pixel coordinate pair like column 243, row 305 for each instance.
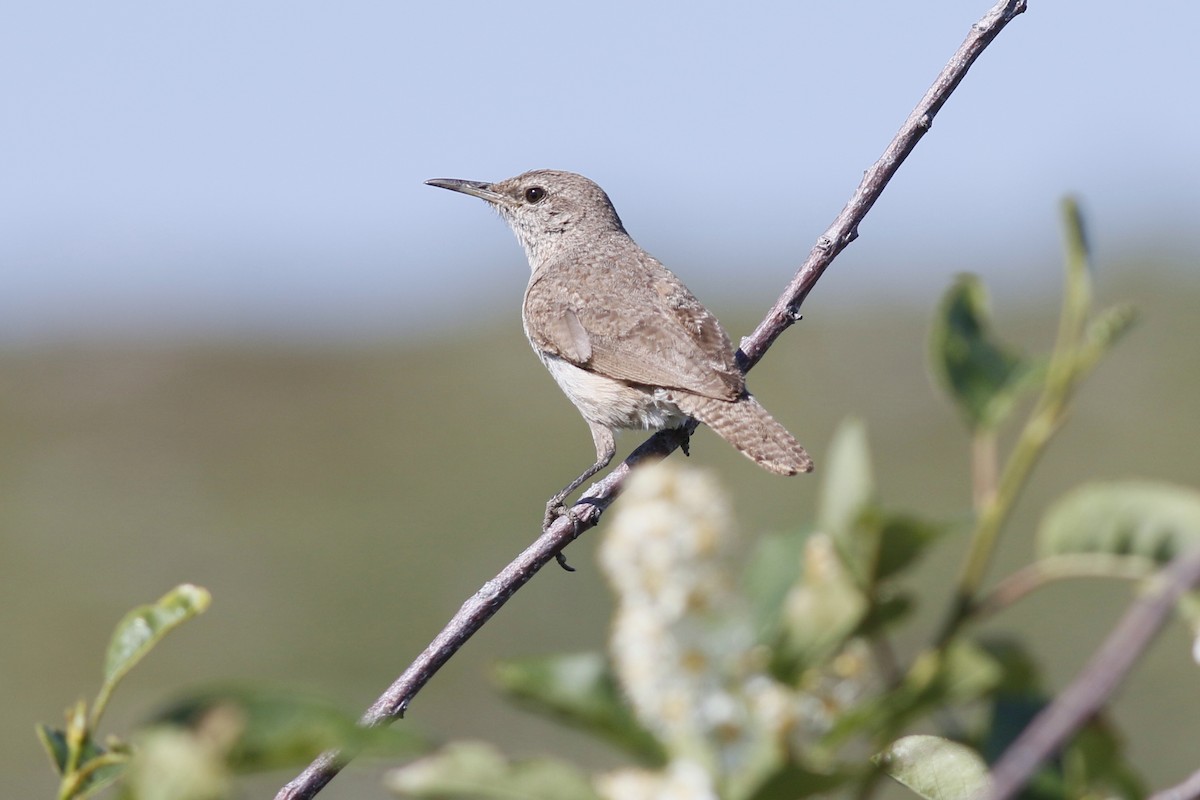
column 474, row 188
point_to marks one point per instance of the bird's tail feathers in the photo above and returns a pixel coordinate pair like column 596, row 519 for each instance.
column 746, row 425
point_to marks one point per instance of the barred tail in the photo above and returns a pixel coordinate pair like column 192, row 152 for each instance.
column 746, row 425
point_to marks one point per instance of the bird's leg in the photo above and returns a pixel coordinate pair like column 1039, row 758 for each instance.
column 555, row 507
column 606, row 448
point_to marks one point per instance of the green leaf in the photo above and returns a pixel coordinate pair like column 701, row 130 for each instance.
column 1017, row 699
column 847, row 497
column 1096, row 764
column 1019, row 671
column 173, row 764
column 1093, row 763
column 960, row 674
column 1077, row 294
column 771, row 571
column 143, row 628
column 98, row 772
column 101, row 767
column 192, row 750
column 820, row 612
column 1107, row 327
column 792, row 781
column 848, row 489
column 270, row 728
column 982, row 376
column 579, row 690
column 902, row 540
column 55, row 743
column 1079, row 250
column 888, row 608
column 966, row 672
column 477, row 770
column 935, row 768
column 1010, row 716
column 1142, row 518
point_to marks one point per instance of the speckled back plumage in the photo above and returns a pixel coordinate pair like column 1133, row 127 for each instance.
column 653, row 332
column 623, row 337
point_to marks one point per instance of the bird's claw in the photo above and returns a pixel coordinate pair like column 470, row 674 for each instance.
column 554, row 510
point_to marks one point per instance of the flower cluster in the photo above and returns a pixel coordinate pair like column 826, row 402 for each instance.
column 683, row 642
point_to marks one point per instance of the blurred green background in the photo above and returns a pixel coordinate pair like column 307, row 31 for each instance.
column 341, row 501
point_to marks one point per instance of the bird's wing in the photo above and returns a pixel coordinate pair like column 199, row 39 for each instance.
column 634, row 322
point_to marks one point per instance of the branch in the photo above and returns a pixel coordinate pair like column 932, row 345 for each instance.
column 786, row 311
column 1041, row 573
column 1188, row 790
column 1088, row 693
column 844, row 229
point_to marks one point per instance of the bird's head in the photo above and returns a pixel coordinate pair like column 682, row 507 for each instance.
column 549, row 211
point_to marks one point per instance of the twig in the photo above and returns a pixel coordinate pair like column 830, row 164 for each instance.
column 1064, row 374
column 1088, row 693
column 488, row 600
column 1188, row 790
column 983, row 469
column 844, row 229
column 1048, row 570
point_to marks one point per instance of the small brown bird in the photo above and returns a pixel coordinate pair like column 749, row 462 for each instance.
column 623, row 337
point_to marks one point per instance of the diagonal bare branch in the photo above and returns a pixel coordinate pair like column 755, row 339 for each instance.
column 492, row 595
column 1188, row 790
column 1094, row 686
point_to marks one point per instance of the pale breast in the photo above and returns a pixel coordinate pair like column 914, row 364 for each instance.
column 612, row 403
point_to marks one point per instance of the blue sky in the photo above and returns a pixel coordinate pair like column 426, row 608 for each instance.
column 255, row 168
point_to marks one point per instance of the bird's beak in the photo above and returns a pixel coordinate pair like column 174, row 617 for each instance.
column 474, row 188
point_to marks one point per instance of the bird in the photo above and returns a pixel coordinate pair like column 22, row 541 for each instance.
column 623, row 337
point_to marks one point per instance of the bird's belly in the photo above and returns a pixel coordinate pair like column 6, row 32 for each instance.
column 613, row 403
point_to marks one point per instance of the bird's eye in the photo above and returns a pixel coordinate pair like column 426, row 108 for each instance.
column 534, row 194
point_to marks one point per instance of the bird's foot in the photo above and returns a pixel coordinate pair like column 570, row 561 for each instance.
column 555, row 509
